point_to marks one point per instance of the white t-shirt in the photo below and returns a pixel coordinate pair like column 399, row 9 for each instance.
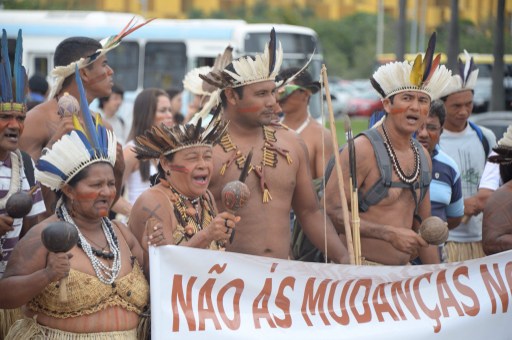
column 467, row 151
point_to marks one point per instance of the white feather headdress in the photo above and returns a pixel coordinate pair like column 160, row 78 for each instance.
column 193, row 83
column 60, row 73
column 244, row 71
column 466, row 77
column 424, row 75
column 86, row 144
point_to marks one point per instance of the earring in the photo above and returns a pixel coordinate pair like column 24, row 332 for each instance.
column 168, row 172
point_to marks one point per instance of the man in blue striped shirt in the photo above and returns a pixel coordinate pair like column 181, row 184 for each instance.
column 445, row 188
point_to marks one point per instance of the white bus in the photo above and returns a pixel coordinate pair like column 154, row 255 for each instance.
column 159, row 54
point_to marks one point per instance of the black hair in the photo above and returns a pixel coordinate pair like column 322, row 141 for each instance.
column 438, row 110
column 117, row 89
column 38, row 84
column 71, row 50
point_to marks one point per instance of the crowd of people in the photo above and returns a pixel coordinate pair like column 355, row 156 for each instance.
column 167, row 173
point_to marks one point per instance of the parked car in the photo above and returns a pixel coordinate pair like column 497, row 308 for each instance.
column 339, row 101
column 497, row 121
column 364, row 104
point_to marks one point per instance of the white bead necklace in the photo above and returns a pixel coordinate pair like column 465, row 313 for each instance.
column 104, row 273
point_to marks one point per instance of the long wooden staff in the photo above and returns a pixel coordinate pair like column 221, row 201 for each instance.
column 344, row 204
column 354, row 199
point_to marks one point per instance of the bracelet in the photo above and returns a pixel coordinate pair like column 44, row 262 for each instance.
column 44, row 151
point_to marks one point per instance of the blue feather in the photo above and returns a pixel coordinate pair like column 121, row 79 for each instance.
column 104, row 140
column 19, row 70
column 7, row 95
column 86, row 142
column 46, row 166
column 3, row 84
column 90, row 128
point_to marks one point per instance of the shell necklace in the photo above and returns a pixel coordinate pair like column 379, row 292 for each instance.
column 104, row 273
column 409, row 179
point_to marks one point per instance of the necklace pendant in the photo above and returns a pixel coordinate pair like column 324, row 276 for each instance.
column 191, row 211
column 189, row 230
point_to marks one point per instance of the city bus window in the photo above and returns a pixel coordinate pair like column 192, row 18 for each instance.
column 291, row 42
column 165, row 64
column 124, row 60
column 41, row 65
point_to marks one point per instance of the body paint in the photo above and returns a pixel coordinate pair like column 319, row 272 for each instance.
column 180, row 168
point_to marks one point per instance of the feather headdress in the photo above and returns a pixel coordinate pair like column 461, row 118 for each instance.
column 466, row 77
column 86, row 144
column 13, row 81
column 60, row 73
column 424, row 75
column 193, row 83
column 503, row 149
column 243, row 71
column 162, row 140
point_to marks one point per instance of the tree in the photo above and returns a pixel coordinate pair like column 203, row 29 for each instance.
column 453, row 37
column 498, row 91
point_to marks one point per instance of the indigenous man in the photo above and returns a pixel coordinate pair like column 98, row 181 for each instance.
column 497, row 219
column 43, row 125
column 445, row 189
column 469, row 145
column 13, row 165
column 294, row 100
column 393, row 170
column 280, row 178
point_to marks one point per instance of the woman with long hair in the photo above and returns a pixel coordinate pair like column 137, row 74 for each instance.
column 152, row 107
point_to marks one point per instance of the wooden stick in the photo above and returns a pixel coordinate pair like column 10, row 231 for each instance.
column 356, row 223
column 344, row 204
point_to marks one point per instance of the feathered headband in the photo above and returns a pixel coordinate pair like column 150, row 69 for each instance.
column 503, row 149
column 60, row 73
column 193, row 83
column 83, row 146
column 244, row 71
column 424, row 75
column 162, row 140
column 466, row 77
column 13, row 83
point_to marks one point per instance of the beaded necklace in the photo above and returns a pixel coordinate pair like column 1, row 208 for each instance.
column 104, row 273
column 270, row 152
column 190, row 221
column 14, row 186
column 409, row 179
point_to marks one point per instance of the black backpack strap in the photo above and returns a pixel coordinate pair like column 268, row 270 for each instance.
column 28, row 167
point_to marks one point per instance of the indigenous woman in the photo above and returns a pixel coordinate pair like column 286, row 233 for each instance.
column 180, row 205
column 105, row 283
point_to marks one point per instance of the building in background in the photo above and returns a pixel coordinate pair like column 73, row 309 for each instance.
column 437, row 12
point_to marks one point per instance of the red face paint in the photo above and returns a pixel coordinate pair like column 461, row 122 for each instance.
column 180, row 168
column 249, row 109
column 87, row 197
column 98, row 78
column 92, row 196
column 397, row 110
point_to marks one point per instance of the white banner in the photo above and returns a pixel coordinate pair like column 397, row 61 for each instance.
column 200, row 294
